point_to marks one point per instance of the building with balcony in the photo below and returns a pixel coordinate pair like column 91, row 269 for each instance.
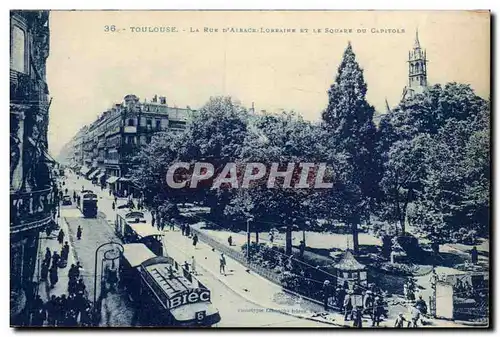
column 33, row 200
column 110, row 142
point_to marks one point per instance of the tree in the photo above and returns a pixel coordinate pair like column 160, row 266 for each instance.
column 403, row 172
column 214, row 135
column 348, row 119
column 283, row 139
column 436, row 154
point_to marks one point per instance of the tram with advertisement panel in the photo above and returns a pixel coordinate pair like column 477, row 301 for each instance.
column 87, row 203
column 132, row 227
column 167, row 294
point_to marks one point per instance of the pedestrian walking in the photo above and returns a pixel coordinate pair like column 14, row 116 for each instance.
column 113, row 205
column 55, row 259
column 48, row 229
column 400, row 320
column 183, row 229
column 368, row 303
column 326, row 294
column 153, row 219
column 51, row 309
column 230, row 240
column 357, row 321
column 340, row 294
column 271, row 237
column 193, row 265
column 79, row 231
column 474, row 255
column 72, row 285
column 44, row 270
column 415, row 316
column 65, row 251
column 48, row 255
column 188, row 230
column 72, row 272
column 54, row 277
column 86, row 315
column 222, row 264
column 78, row 268
column 60, row 237
column 377, row 311
column 159, row 222
column 302, row 248
column 61, row 309
column 195, row 240
column 116, row 199
column 38, row 318
column 172, row 224
column 347, row 306
column 80, row 287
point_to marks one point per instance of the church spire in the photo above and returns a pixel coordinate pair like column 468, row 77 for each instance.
column 417, row 69
column 416, row 45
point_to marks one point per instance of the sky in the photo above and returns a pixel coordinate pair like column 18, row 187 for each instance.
column 89, row 68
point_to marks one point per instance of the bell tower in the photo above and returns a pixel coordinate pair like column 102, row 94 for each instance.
column 417, row 69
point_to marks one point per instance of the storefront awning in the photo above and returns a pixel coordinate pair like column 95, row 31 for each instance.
column 84, row 170
column 112, row 180
column 100, row 175
column 93, row 174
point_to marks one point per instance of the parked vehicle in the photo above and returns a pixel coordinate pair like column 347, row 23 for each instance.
column 66, row 200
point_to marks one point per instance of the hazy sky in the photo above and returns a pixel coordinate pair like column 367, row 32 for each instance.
column 89, row 69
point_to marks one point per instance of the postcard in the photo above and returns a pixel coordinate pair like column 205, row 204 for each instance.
column 250, row 169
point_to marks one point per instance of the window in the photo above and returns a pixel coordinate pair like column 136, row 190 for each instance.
column 131, row 122
column 18, row 53
column 158, row 123
column 148, row 139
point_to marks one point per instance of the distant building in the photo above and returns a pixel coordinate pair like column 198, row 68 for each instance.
column 417, row 70
column 33, row 202
column 110, row 142
column 417, row 77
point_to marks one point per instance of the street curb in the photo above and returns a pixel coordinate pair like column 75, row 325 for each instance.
column 244, row 295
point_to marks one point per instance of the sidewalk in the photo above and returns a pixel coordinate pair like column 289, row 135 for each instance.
column 242, row 281
column 245, row 283
column 61, row 287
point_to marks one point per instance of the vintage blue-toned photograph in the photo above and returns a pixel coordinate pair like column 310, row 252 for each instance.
column 250, row 169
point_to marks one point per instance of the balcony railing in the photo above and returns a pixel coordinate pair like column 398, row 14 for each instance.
column 111, row 161
column 31, row 210
column 23, row 88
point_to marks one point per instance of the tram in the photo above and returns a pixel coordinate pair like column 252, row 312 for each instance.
column 132, row 227
column 167, row 295
column 87, row 203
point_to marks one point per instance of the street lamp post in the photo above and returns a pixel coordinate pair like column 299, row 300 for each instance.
column 248, row 239
column 120, row 250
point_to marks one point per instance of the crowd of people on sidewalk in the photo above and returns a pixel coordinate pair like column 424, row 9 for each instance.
column 69, row 309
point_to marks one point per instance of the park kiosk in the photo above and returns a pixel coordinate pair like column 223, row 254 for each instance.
column 350, row 271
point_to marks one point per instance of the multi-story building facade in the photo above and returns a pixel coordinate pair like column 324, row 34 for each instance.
column 109, row 143
column 32, row 189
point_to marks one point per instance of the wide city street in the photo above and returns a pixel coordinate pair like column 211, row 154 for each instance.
column 117, row 309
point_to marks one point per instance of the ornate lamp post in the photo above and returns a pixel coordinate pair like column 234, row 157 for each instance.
column 114, row 251
column 248, row 238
